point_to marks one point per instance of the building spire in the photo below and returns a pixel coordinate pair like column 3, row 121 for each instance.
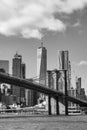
column 42, row 42
column 16, row 52
column 16, row 55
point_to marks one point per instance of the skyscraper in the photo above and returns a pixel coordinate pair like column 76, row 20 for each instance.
column 78, row 85
column 23, row 67
column 80, row 92
column 18, row 70
column 23, row 75
column 64, row 64
column 17, row 61
column 41, row 66
column 63, row 60
column 31, row 96
column 4, row 64
column 69, row 75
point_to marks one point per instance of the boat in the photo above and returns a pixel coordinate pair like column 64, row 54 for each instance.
column 74, row 111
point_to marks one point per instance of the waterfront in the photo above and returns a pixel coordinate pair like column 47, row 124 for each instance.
column 44, row 123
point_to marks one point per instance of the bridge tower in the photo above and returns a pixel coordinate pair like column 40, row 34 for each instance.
column 52, row 82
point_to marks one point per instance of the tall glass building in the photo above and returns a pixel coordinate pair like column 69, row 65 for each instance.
column 41, row 68
column 41, row 64
column 18, row 70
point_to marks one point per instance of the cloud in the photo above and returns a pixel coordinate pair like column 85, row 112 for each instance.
column 27, row 33
column 81, row 63
column 68, row 6
column 29, row 17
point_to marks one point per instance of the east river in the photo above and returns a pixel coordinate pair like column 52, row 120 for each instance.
column 44, row 123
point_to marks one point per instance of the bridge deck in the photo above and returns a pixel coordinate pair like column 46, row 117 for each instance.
column 5, row 78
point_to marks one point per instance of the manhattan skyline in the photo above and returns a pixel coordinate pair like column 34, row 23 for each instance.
column 65, row 29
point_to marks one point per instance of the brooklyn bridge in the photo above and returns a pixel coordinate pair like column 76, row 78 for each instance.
column 51, row 93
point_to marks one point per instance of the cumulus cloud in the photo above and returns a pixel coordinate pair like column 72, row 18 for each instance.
column 82, row 63
column 68, row 6
column 29, row 17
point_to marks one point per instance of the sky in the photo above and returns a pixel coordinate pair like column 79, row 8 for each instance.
column 62, row 24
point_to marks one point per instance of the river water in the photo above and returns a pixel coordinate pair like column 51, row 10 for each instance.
column 44, row 123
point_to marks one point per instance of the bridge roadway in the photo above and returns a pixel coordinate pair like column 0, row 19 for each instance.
column 6, row 78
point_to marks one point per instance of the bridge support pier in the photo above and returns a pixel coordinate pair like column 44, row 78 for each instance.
column 49, row 105
column 66, row 106
column 57, row 105
column 66, row 93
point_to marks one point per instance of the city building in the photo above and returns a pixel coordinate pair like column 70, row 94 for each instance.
column 42, row 64
column 4, row 67
column 69, row 76
column 30, row 96
column 80, row 92
column 72, row 92
column 63, row 59
column 64, row 64
column 23, row 71
column 4, row 64
column 18, row 70
column 78, row 85
column 23, row 75
column 41, row 67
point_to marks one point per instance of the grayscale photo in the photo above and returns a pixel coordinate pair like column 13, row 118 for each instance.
column 43, row 64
